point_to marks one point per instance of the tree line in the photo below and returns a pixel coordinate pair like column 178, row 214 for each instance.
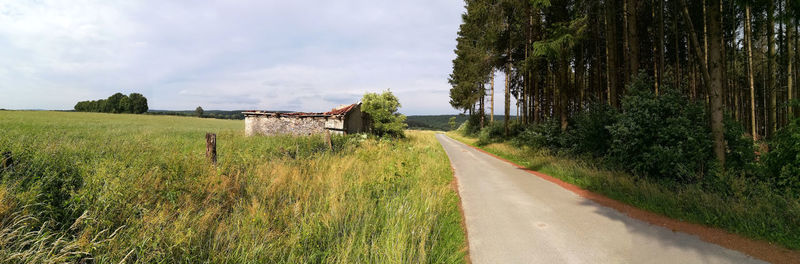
column 134, row 103
column 559, row 57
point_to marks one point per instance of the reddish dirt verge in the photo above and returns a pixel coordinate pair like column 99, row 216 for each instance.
column 756, row 248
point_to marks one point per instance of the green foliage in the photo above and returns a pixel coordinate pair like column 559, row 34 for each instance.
column 589, row 131
column 434, row 122
column 740, row 155
column 544, row 135
column 452, row 123
column 664, row 136
column 495, row 132
column 198, row 111
column 782, row 162
column 382, row 111
column 118, row 103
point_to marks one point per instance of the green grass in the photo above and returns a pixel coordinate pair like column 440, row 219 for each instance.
column 137, row 188
column 749, row 209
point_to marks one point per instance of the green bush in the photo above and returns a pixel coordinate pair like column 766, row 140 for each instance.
column 472, row 127
column 382, row 111
column 664, row 136
column 588, row 132
column 543, row 135
column 782, row 162
column 495, row 132
column 740, row 155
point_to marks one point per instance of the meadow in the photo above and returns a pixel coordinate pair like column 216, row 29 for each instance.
column 137, row 189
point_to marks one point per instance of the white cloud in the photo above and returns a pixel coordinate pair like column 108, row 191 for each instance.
column 291, row 55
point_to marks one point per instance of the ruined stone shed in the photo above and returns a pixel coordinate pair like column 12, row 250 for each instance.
column 345, row 119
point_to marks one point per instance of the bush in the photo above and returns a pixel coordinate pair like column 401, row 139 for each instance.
column 543, row 135
column 782, row 162
column 740, row 155
column 471, row 127
column 496, row 132
column 588, row 132
column 382, row 111
column 664, row 136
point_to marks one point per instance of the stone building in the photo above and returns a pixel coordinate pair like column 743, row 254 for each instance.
column 342, row 120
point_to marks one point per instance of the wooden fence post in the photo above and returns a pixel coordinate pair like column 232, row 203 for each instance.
column 7, row 160
column 328, row 139
column 211, row 147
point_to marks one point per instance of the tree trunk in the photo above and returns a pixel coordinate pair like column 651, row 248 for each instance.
column 749, row 46
column 562, row 93
column 580, row 69
column 507, row 96
column 789, row 61
column 713, row 81
column 611, row 53
column 491, row 106
column 716, row 69
column 633, row 37
column 660, row 63
column 771, row 116
column 481, row 103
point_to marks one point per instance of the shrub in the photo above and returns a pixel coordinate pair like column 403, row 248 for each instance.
column 665, row 136
column 740, row 155
column 543, row 135
column 496, row 132
column 588, row 132
column 782, row 162
column 382, row 111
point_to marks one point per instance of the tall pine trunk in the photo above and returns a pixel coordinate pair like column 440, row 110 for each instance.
column 611, row 53
column 633, row 37
column 749, row 46
column 789, row 58
column 771, row 116
column 491, row 105
column 716, row 69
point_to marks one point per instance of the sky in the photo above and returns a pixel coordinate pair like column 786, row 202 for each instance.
column 295, row 55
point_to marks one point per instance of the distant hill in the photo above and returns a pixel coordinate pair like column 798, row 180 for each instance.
column 416, row 122
column 219, row 114
column 433, row 122
column 438, row 122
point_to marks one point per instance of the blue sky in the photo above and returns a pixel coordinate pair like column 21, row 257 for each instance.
column 234, row 54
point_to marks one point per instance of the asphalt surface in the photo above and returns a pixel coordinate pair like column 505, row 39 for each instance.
column 513, row 216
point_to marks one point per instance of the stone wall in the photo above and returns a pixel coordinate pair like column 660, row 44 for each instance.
column 270, row 125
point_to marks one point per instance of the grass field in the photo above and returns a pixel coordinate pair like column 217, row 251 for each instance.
column 137, row 188
column 752, row 210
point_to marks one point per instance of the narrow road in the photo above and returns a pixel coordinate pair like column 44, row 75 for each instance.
column 513, row 216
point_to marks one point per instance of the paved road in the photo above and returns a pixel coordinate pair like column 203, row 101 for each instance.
column 513, row 216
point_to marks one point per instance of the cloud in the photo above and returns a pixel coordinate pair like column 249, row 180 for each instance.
column 290, row 55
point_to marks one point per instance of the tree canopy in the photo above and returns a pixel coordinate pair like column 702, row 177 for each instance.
column 382, row 111
column 134, row 103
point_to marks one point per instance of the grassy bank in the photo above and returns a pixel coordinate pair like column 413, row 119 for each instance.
column 137, row 188
column 749, row 209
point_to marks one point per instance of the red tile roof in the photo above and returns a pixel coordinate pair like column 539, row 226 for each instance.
column 334, row 112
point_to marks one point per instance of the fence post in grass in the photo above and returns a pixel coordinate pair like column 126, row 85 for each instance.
column 328, row 139
column 211, row 148
column 7, row 161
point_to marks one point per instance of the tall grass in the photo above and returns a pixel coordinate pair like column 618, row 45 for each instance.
column 747, row 208
column 145, row 180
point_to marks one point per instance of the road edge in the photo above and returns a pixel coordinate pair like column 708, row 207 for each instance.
column 758, row 249
column 456, row 187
